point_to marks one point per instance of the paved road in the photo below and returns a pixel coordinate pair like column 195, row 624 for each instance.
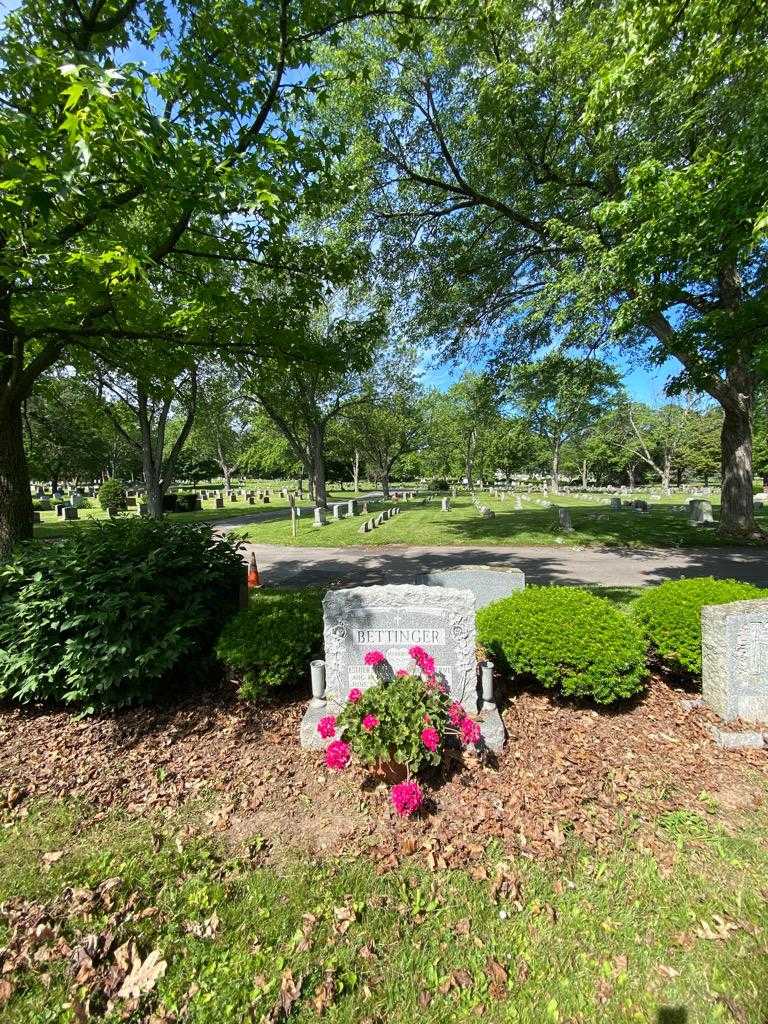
column 294, row 566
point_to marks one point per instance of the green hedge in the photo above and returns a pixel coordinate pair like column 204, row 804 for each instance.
column 272, row 641
column 567, row 638
column 670, row 616
column 112, row 497
column 102, row 618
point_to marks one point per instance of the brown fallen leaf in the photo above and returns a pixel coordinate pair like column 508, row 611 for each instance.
column 308, row 922
column 497, row 978
column 462, row 927
column 290, row 990
column 462, row 978
column 667, row 972
column 324, row 993
column 52, row 857
column 6, row 991
column 143, row 976
column 425, row 998
column 343, row 919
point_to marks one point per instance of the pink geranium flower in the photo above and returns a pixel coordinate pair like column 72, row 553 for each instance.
column 428, row 665
column 401, row 673
column 406, row 798
column 470, row 731
column 327, row 726
column 337, row 755
column 417, row 653
column 354, row 695
column 374, row 658
column 370, row 722
column 430, row 738
column 456, row 713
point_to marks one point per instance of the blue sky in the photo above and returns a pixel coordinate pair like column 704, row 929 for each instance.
column 644, row 384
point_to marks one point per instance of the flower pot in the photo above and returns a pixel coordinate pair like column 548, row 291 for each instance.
column 391, row 772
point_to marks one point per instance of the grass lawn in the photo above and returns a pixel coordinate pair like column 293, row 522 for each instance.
column 52, row 526
column 665, row 525
column 225, row 937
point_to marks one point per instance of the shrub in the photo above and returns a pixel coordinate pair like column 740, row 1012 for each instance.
column 271, row 642
column 102, row 618
column 670, row 616
column 565, row 637
column 112, row 496
column 185, row 502
column 437, row 484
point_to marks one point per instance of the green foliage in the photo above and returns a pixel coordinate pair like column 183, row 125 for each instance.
column 670, row 616
column 102, row 618
column 271, row 642
column 112, row 496
column 568, row 638
column 400, row 705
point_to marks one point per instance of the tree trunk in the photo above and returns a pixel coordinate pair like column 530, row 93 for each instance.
column 765, row 483
column 584, row 474
column 356, row 471
column 316, row 440
column 385, row 483
column 631, row 477
column 15, row 495
column 666, row 473
column 555, row 469
column 737, row 514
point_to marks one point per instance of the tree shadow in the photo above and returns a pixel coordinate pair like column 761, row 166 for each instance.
column 671, row 1015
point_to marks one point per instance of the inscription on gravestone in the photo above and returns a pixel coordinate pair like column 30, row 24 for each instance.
column 734, row 641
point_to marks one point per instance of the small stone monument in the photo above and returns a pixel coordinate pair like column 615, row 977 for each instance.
column 699, row 512
column 616, row 504
column 391, row 619
column 734, row 647
column 319, row 516
column 70, row 512
column 564, row 520
column 641, row 506
column 487, row 583
column 351, row 508
column 445, row 504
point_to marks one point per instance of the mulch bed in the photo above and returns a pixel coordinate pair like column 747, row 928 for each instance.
column 566, row 768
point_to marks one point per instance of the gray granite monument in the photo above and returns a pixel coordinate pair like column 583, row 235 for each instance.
column 391, row 619
column 734, row 646
column 487, row 583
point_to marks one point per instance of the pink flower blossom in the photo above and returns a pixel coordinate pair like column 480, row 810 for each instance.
column 428, row 665
column 374, row 658
column 456, row 713
column 442, row 688
column 430, row 738
column 337, row 755
column 370, row 722
column 406, row 798
column 417, row 653
column 327, row 726
column 470, row 731
column 402, row 673
column 354, row 695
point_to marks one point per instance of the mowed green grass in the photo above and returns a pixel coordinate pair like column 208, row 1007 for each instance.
column 52, row 526
column 665, row 525
column 624, row 937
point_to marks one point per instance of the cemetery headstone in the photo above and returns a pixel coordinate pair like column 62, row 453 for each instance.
column 218, row 502
column 36, row 517
column 641, row 506
column 70, row 512
column 564, row 519
column 616, row 504
column 351, row 508
column 319, row 516
column 699, row 512
column 734, row 646
column 487, row 583
column 391, row 619
column 445, row 504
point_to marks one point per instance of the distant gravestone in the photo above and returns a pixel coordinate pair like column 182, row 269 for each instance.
column 391, row 619
column 337, row 510
column 734, row 646
column 487, row 583
column 351, row 508
column 445, row 504
column 218, row 502
column 641, row 506
column 319, row 516
column 70, row 512
column 564, row 520
column 699, row 512
column 616, row 504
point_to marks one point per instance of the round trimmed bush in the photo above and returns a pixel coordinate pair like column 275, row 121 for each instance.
column 566, row 637
column 670, row 616
column 112, row 496
column 272, row 640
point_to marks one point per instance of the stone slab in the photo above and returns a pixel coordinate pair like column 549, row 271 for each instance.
column 486, row 583
column 734, row 642
column 738, row 740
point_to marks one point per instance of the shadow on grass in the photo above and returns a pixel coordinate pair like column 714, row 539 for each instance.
column 671, row 1015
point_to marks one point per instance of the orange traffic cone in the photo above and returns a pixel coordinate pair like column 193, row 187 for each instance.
column 254, row 580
